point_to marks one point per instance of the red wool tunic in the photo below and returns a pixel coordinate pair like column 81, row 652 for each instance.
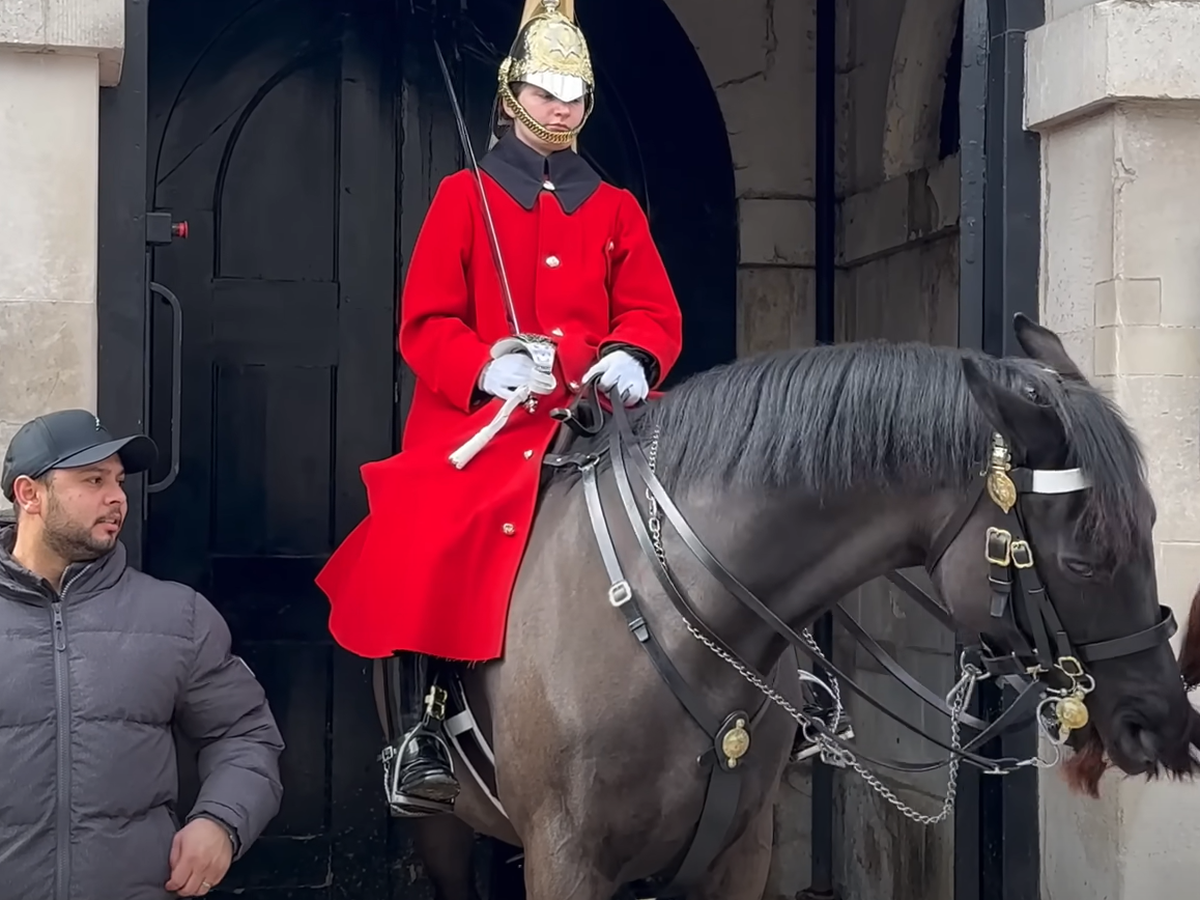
column 431, row 568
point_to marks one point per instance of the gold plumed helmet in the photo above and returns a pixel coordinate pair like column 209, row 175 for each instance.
column 550, row 52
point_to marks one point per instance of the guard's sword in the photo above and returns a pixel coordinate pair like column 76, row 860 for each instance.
column 540, row 348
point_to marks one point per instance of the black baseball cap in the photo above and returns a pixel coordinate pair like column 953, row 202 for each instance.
column 70, row 439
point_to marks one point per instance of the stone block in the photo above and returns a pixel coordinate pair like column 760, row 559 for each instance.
column 738, row 40
column 775, row 309
column 791, row 860
column 864, row 124
column 88, row 28
column 1077, row 223
column 884, row 855
column 875, row 221
column 902, row 210
column 944, row 182
column 47, row 357
column 1147, row 350
column 892, row 617
column 1178, row 569
column 1102, row 53
column 1129, row 301
column 1156, row 202
column 1081, row 840
column 1165, row 414
column 7, row 430
column 876, row 24
column 777, row 232
column 909, row 295
column 917, row 85
column 48, row 177
column 1161, row 831
column 759, row 56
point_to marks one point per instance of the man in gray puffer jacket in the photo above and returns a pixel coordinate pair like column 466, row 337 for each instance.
column 97, row 663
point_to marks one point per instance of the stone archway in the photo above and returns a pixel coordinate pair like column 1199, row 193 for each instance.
column 916, row 85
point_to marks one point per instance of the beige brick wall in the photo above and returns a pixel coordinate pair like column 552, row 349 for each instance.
column 898, row 250
column 1121, row 279
column 897, row 246
column 759, row 56
column 53, row 58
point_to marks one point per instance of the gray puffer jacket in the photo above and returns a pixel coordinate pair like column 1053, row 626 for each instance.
column 90, row 685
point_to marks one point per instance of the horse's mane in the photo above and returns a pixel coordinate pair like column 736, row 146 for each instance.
column 887, row 417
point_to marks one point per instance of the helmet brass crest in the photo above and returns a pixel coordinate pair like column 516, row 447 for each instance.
column 550, row 52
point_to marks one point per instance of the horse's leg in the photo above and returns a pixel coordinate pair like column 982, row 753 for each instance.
column 445, row 845
column 740, row 872
column 562, row 871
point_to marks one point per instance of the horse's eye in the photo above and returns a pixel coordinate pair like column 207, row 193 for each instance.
column 1079, row 567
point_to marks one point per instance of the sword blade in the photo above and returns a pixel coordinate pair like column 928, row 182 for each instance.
column 489, row 225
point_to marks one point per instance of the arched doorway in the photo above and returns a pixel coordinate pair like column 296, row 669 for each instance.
column 301, row 141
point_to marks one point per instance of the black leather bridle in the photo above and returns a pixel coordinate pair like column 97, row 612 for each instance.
column 1039, row 648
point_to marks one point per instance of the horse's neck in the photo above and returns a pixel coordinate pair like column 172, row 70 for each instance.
column 796, row 554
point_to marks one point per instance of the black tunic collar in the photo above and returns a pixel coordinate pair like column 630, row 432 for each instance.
column 522, row 172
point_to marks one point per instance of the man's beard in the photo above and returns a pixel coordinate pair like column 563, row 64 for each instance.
column 72, row 542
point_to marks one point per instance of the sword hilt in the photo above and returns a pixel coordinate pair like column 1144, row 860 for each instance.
column 538, row 347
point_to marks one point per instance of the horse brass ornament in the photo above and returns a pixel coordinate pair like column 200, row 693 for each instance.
column 999, row 486
column 735, row 743
column 1071, row 712
column 1068, row 708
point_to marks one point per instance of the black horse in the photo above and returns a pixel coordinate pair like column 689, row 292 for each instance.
column 645, row 635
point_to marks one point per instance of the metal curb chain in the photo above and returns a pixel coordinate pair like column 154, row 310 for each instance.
column 831, row 753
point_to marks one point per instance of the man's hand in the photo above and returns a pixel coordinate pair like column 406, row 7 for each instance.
column 200, row 856
column 626, row 373
column 503, row 376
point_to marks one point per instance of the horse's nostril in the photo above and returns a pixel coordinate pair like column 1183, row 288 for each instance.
column 1138, row 742
column 1149, row 743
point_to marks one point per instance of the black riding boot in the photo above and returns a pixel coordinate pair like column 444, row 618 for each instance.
column 419, row 776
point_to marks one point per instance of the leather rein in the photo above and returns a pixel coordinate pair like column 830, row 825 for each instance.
column 1039, row 648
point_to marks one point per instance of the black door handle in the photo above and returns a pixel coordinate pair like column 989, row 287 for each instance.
column 176, row 383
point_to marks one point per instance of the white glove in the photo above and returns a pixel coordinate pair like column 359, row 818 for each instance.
column 501, row 377
column 620, row 369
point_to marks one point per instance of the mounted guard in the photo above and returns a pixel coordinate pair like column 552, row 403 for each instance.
column 530, row 277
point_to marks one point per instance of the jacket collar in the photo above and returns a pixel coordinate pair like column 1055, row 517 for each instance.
column 523, row 173
column 86, row 578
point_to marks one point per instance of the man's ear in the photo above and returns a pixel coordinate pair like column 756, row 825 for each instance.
column 25, row 495
column 1042, row 344
column 1033, row 432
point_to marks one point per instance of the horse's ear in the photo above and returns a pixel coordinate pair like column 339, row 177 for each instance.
column 1032, row 430
column 1042, row 344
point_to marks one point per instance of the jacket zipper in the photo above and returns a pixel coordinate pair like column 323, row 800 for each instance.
column 62, row 709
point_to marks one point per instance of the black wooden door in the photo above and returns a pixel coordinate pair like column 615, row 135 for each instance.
column 301, row 141
column 275, row 134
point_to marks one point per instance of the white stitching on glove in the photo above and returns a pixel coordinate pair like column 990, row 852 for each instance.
column 620, row 369
column 501, row 377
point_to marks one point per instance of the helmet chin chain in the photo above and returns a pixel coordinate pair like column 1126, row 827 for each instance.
column 557, row 138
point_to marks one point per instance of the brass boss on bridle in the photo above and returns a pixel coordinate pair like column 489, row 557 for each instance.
column 1040, row 652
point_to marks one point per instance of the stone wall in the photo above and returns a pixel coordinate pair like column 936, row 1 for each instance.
column 898, row 253
column 54, row 56
column 1113, row 89
column 760, row 56
column 898, row 278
